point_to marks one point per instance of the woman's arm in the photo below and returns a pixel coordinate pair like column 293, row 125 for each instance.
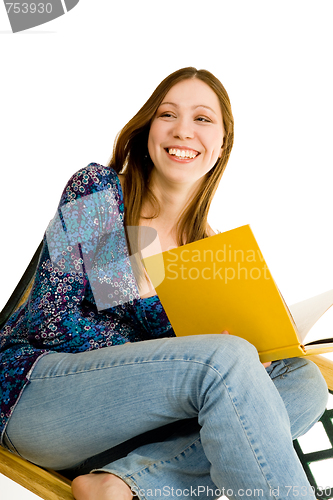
column 83, row 262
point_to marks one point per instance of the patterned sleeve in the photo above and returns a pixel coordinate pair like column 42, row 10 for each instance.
column 84, row 274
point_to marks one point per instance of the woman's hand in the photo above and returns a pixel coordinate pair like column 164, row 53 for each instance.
column 266, row 365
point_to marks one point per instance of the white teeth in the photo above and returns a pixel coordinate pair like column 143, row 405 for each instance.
column 182, row 153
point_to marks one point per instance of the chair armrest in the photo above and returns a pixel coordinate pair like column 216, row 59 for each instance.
column 47, row 484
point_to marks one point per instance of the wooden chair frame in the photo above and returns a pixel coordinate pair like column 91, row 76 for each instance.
column 48, row 484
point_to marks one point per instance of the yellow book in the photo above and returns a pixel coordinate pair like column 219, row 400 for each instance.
column 223, row 283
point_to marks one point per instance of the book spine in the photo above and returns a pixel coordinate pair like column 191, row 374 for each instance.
column 293, row 351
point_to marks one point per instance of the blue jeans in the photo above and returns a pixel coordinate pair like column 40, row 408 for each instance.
column 79, row 405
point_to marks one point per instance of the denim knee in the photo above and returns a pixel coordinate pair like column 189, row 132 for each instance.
column 222, row 349
column 238, row 347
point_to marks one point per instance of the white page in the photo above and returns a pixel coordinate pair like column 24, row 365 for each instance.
column 321, row 346
column 308, row 312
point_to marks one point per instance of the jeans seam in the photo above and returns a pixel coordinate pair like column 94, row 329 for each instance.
column 127, row 364
column 11, row 448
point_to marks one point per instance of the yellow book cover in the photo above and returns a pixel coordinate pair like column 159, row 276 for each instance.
column 223, row 283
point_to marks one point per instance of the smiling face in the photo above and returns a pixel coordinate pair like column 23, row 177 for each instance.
column 186, row 135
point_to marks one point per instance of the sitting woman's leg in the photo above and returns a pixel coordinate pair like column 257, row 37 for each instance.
column 303, row 390
column 176, row 467
column 78, row 405
column 179, row 466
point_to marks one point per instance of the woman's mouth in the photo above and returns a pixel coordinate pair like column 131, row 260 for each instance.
column 182, row 154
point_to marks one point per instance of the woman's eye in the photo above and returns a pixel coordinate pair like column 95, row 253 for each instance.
column 166, row 115
column 203, row 119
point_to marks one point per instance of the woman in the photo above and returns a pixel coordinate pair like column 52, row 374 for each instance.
column 77, row 381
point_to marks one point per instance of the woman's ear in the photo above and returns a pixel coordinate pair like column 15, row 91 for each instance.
column 221, row 150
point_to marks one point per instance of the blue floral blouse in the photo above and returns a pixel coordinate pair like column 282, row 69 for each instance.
column 84, row 295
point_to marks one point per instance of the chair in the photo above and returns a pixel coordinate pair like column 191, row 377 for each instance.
column 48, row 484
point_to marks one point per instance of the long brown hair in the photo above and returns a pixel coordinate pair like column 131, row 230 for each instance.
column 130, row 156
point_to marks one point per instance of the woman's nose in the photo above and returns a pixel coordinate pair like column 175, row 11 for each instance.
column 183, row 129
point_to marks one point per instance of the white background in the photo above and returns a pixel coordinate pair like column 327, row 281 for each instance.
column 68, row 87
